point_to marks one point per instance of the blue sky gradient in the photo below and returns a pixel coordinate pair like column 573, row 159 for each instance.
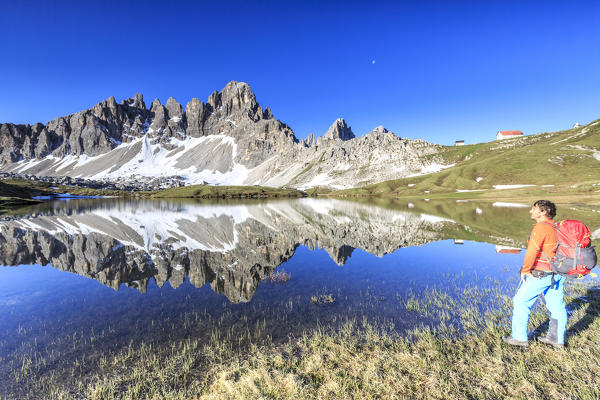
column 444, row 70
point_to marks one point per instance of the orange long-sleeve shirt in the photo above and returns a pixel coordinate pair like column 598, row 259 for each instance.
column 542, row 238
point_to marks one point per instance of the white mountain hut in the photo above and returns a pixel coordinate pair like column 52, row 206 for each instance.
column 508, row 134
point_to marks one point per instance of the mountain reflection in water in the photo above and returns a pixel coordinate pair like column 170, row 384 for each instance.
column 230, row 246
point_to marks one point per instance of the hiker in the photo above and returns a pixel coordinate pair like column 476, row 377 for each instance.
column 537, row 278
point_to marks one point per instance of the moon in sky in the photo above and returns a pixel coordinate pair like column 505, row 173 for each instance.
column 373, row 62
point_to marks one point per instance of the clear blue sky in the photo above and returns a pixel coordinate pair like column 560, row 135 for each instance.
column 443, row 70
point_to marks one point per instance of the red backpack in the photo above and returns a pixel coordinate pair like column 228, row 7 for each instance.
column 575, row 256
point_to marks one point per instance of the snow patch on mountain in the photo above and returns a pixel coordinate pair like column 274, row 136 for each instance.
column 154, row 160
column 208, row 159
column 502, row 187
column 431, row 168
column 513, row 205
column 323, row 180
column 434, row 219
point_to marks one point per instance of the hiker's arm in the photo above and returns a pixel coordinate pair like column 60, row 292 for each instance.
column 534, row 248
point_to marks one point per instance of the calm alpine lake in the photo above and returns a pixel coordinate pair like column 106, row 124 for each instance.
column 86, row 277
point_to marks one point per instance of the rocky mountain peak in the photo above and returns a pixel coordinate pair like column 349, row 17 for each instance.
column 156, row 104
column 237, row 88
column 193, row 104
column 103, row 106
column 137, row 101
column 238, row 97
column 380, row 133
column 167, row 121
column 381, row 137
column 111, row 102
column 339, row 130
column 214, row 100
column 174, row 108
column 268, row 114
column 309, row 141
column 380, row 130
column 106, row 109
column 159, row 118
column 196, row 113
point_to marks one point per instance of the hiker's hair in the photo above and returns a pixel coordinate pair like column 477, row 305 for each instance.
column 547, row 206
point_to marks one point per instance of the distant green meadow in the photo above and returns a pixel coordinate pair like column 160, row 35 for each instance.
column 567, row 160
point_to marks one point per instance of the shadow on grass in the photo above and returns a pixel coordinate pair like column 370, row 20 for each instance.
column 593, row 311
column 592, row 297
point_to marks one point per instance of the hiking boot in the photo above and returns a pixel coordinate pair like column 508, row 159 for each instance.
column 514, row 342
column 550, row 342
column 551, row 337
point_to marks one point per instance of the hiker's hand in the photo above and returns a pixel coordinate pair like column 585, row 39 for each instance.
column 524, row 276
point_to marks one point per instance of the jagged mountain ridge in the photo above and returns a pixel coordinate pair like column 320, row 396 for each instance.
column 230, row 139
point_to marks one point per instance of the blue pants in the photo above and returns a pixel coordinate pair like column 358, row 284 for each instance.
column 525, row 298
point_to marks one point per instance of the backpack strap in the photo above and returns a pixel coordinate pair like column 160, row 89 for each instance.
column 555, row 225
column 547, row 258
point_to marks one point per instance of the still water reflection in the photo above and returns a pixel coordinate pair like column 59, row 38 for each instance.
column 97, row 275
column 232, row 247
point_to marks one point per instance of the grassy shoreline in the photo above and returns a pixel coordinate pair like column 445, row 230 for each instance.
column 368, row 362
column 558, row 194
column 226, row 192
column 19, row 193
column 24, row 190
column 358, row 360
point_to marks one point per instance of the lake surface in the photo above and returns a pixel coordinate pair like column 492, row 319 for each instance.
column 92, row 276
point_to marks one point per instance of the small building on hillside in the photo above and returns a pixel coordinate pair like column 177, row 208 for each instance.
column 459, row 143
column 577, row 125
column 508, row 134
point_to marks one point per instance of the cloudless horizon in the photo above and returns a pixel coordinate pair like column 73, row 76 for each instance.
column 434, row 70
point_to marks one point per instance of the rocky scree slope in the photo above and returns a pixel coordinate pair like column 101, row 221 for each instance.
column 230, row 139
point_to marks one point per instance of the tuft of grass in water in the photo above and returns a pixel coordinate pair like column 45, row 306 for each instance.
column 277, row 277
column 322, row 299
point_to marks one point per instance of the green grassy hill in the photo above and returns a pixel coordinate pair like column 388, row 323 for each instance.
column 209, row 192
column 569, row 160
column 22, row 188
